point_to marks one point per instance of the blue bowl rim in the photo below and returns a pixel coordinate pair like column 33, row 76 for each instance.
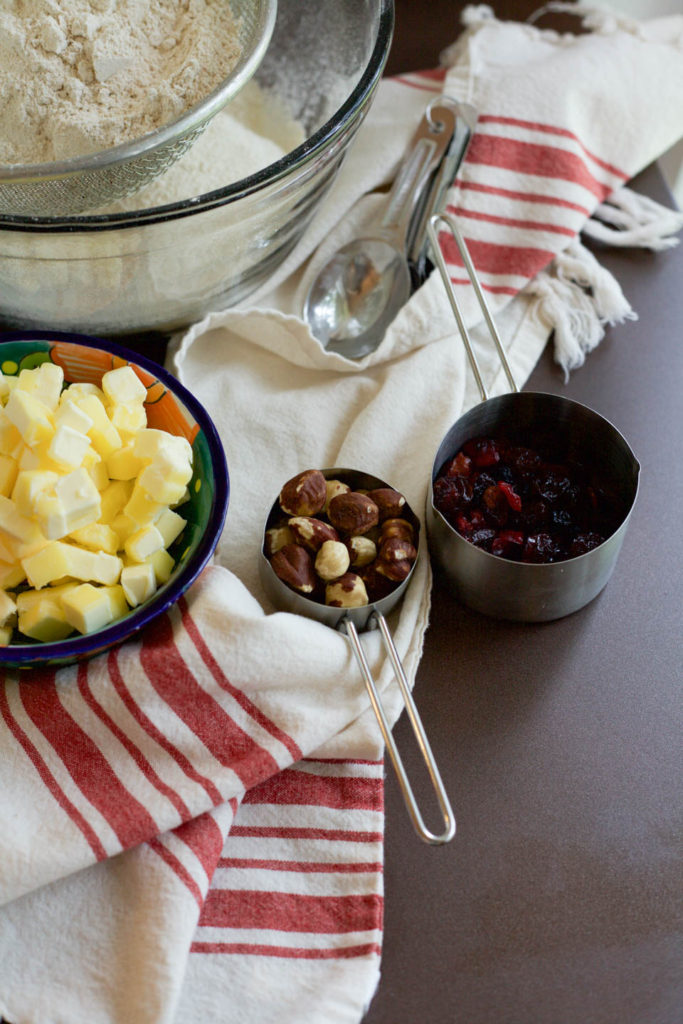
column 91, row 644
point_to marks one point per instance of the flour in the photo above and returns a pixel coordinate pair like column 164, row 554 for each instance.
column 79, row 76
column 253, row 131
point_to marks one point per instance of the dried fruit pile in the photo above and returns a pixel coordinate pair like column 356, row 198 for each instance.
column 524, row 505
column 341, row 547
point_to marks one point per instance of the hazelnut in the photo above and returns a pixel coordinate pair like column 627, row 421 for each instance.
column 294, row 566
column 335, row 487
column 276, row 538
column 353, row 512
column 311, row 532
column 397, row 528
column 304, row 494
column 362, row 550
column 332, row 560
column 396, row 571
column 346, row 592
column 388, row 501
column 376, row 585
column 395, row 549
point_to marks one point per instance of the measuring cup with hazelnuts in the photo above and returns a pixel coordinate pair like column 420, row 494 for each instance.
column 340, row 546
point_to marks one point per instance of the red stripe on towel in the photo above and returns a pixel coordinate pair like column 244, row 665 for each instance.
column 292, row 787
column 538, row 126
column 254, row 949
column 337, row 835
column 525, row 261
column 291, row 912
column 49, row 780
column 158, row 737
column 141, row 761
column 203, row 836
column 86, row 765
column 524, row 197
column 234, row 691
column 532, row 158
column 512, row 222
column 178, row 869
column 201, row 713
column 308, row 866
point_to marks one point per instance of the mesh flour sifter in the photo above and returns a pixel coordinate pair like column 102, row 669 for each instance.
column 72, row 186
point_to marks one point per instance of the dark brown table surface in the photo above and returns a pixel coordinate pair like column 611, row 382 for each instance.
column 559, row 900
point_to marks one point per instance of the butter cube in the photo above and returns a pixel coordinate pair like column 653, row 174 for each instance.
column 163, row 565
column 44, row 382
column 11, row 575
column 141, row 507
column 8, row 474
column 124, row 464
column 4, row 387
column 138, row 582
column 117, row 600
column 143, row 543
column 170, row 525
column 68, row 446
column 8, row 609
column 79, row 389
column 29, row 484
column 28, row 598
column 113, row 499
column 150, row 441
column 88, row 608
column 123, row 385
column 165, row 479
column 10, row 438
column 124, row 527
column 103, row 434
column 59, row 559
column 73, row 502
column 6, row 634
column 129, row 418
column 69, row 414
column 17, row 532
column 30, row 416
column 96, row 468
column 44, row 620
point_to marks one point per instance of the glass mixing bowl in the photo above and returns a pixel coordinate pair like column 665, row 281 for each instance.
column 161, row 268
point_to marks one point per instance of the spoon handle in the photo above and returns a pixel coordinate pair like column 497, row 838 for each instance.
column 427, row 148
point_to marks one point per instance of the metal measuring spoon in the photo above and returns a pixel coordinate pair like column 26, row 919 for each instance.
column 361, row 288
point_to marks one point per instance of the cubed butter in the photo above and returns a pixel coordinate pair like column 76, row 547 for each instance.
column 103, row 434
column 73, row 502
column 123, row 385
column 30, row 416
column 128, row 418
column 124, row 464
column 11, row 575
column 8, row 474
column 44, row 620
column 10, row 438
column 44, row 382
column 29, row 484
column 88, row 608
column 113, row 499
column 170, row 525
column 68, row 414
column 163, row 565
column 138, row 582
column 59, row 559
column 67, row 446
column 143, row 543
column 8, row 609
column 19, row 534
column 97, row 537
column 142, row 508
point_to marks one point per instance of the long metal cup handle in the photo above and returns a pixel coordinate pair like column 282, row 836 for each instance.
column 418, row 731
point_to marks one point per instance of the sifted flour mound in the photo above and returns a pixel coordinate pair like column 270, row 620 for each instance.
column 253, row 131
column 78, row 76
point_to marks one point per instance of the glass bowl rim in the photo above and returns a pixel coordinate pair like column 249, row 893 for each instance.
column 292, row 162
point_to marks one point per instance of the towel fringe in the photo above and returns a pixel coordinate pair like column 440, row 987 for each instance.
column 630, row 219
column 577, row 297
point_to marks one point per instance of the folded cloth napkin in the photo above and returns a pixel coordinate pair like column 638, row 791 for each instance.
column 192, row 823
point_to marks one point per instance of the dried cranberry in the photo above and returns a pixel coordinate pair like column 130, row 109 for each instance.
column 584, row 542
column 551, row 484
column 452, row 493
column 459, row 466
column 542, row 547
column 483, row 537
column 463, row 524
column 513, row 499
column 483, row 451
column 495, row 506
column 480, row 483
column 508, row 544
column 523, row 459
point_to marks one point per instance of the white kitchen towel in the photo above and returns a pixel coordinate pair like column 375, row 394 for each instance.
column 192, row 824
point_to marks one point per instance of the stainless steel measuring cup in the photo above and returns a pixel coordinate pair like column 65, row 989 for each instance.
column 352, row 621
column 489, row 583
